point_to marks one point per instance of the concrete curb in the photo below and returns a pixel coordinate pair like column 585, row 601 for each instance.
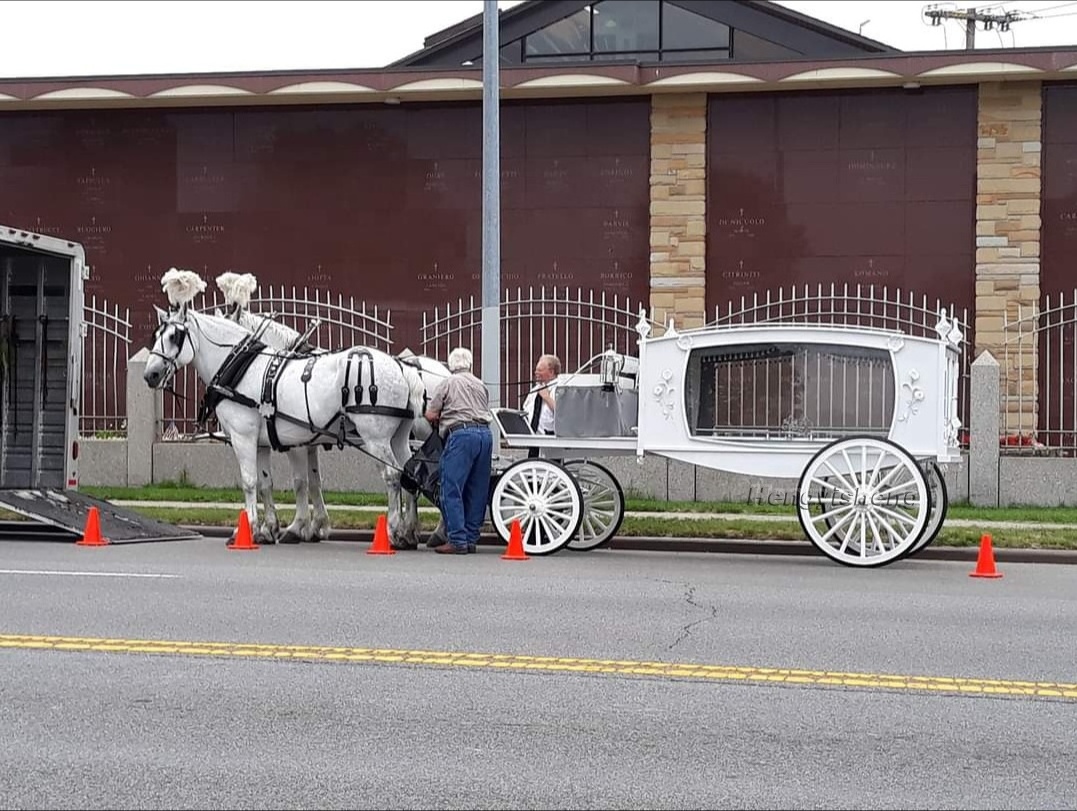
column 726, row 546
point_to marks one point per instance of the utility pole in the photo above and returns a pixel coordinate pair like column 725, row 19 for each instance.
column 491, row 204
column 971, row 16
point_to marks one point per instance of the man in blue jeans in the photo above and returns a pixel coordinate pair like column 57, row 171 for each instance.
column 460, row 409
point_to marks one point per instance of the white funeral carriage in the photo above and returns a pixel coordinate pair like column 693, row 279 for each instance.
column 859, row 417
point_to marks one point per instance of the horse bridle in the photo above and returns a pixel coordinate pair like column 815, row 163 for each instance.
column 182, row 333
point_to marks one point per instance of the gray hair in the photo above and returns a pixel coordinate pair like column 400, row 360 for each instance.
column 460, row 360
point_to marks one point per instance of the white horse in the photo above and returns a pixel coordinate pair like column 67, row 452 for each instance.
column 380, row 400
column 237, row 290
column 306, row 475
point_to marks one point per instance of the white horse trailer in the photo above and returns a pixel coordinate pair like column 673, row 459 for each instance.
column 41, row 301
column 41, row 332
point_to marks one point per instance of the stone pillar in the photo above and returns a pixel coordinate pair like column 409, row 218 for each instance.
column 983, row 432
column 1008, row 193
column 144, row 406
column 678, row 208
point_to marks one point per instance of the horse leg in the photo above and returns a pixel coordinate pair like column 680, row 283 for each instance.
column 246, row 451
column 381, row 450
column 269, row 530
column 319, row 522
column 299, row 529
column 410, row 506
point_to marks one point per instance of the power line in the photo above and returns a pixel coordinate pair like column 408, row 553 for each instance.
column 1039, row 11
column 988, row 19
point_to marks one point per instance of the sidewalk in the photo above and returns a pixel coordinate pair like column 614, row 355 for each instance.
column 691, row 516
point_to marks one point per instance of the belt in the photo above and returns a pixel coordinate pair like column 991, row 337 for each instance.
column 460, row 425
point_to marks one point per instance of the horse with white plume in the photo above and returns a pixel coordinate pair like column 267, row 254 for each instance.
column 306, row 475
column 296, row 400
column 238, row 289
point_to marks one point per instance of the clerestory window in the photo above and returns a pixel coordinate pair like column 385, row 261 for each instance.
column 646, row 30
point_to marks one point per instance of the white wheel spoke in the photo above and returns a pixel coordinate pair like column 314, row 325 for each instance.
column 849, row 530
column 550, row 529
column 877, row 541
column 892, row 472
column 836, row 511
column 895, row 489
column 849, row 487
column 905, row 519
column 516, row 489
column 852, row 468
column 898, row 539
column 838, row 525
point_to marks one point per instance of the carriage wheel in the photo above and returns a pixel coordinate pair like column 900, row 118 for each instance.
column 940, row 503
column 546, row 500
column 863, row 501
column 603, row 504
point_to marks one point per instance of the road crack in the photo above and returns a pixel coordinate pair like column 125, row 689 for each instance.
column 690, row 597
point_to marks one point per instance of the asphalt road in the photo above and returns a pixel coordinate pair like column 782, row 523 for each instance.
column 417, row 680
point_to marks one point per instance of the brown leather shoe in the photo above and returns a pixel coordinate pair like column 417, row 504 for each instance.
column 449, row 549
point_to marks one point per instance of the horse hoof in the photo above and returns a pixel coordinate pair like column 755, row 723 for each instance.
column 312, row 539
column 290, row 537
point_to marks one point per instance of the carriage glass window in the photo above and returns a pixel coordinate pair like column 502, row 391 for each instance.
column 793, row 391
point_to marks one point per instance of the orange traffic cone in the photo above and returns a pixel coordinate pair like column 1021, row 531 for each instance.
column 985, row 561
column 244, row 539
column 516, row 543
column 92, row 534
column 381, row 545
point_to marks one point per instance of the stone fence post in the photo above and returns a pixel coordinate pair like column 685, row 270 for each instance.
column 144, row 407
column 984, row 432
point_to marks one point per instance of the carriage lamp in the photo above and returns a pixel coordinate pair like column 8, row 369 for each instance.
column 610, row 369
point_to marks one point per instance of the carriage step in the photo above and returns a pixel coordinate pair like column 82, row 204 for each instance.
column 69, row 509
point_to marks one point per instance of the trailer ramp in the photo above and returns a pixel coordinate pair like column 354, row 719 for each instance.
column 69, row 509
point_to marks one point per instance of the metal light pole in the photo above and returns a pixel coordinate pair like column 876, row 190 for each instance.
column 491, row 205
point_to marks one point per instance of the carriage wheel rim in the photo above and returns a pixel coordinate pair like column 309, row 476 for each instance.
column 603, row 504
column 863, row 501
column 940, row 503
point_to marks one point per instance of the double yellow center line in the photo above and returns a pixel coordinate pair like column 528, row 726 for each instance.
column 550, row 664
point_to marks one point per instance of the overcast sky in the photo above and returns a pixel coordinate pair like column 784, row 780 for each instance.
column 102, row 37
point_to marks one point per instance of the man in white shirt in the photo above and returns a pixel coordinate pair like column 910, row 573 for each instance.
column 541, row 402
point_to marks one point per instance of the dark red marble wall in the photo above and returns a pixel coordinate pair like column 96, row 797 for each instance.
column 859, row 187
column 379, row 203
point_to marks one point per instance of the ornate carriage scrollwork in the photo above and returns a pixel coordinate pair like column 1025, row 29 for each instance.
column 643, row 329
column 913, row 395
column 951, row 432
column 895, row 343
column 796, row 427
column 948, row 330
column 665, row 393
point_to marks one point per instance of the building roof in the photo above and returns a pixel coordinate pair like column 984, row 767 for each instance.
column 604, row 79
column 759, row 17
column 830, row 57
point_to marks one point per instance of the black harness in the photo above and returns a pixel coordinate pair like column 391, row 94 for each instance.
column 228, row 377
column 231, row 373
